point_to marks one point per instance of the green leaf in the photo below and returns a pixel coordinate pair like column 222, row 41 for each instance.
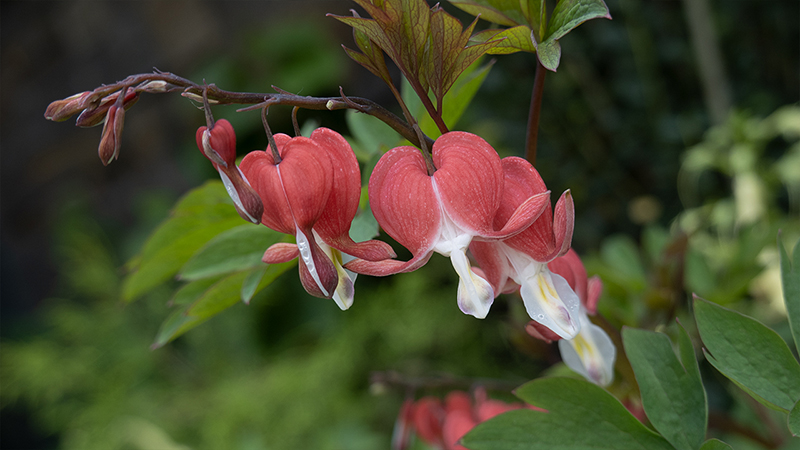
column 364, row 226
column 793, row 420
column 672, row 391
column 715, row 444
column 199, row 216
column 750, row 354
column 190, row 292
column 580, row 415
column 234, row 250
column 535, row 13
column 251, row 282
column 371, row 135
column 549, row 53
column 501, row 12
column 223, row 293
column 790, row 276
column 516, row 39
column 568, row 14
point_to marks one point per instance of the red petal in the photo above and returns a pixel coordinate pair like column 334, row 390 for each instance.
column 324, row 267
column 294, row 192
column 541, row 332
column 494, row 264
column 456, row 425
column 428, row 416
column 595, row 288
column 334, row 224
column 469, row 178
column 403, row 201
column 571, row 268
column 222, row 140
column 388, row 266
column 280, row 253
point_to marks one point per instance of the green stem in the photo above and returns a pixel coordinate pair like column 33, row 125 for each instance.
column 533, row 114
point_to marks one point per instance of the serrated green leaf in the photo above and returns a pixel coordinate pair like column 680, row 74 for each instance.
column 568, row 14
column 501, row 12
column 580, row 415
column 199, row 216
column 234, row 250
column 750, row 354
column 790, row 277
column 456, row 100
column 672, row 391
column 715, row 444
column 534, row 12
column 516, row 39
column 793, row 420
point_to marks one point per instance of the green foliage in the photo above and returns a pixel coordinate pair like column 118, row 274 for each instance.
column 790, row 279
column 428, row 45
column 715, row 444
column 750, row 354
column 672, row 390
column 579, row 415
column 530, row 31
column 793, row 420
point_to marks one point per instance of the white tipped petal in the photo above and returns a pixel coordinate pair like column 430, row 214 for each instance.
column 235, row 195
column 590, row 354
column 550, row 301
column 305, row 254
column 475, row 294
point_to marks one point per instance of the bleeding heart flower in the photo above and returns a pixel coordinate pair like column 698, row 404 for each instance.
column 591, row 353
column 312, row 193
column 443, row 213
column 521, row 260
column 218, row 144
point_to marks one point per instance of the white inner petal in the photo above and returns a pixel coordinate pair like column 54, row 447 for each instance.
column 345, row 289
column 547, row 297
column 305, row 254
column 591, row 353
column 235, row 195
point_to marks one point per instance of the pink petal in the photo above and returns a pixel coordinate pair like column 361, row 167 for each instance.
column 324, row 284
column 571, row 268
column 541, row 332
column 405, row 205
column 294, row 192
column 456, row 425
column 388, row 266
column 280, row 253
column 595, row 288
column 491, row 408
column 525, row 199
column 222, row 142
column 469, row 178
column 492, row 262
column 428, row 416
column 334, row 224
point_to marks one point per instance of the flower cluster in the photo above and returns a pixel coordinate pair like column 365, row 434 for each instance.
column 472, row 201
column 442, row 423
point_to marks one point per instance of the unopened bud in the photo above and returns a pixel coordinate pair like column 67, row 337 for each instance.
column 112, row 134
column 91, row 117
column 218, row 143
column 155, row 87
column 61, row 110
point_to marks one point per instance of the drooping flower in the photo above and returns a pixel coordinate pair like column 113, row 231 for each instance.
column 591, row 353
column 443, row 212
column 218, row 144
column 520, row 261
column 442, row 424
column 312, row 193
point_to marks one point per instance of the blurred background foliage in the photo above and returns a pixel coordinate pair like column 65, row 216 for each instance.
column 669, row 200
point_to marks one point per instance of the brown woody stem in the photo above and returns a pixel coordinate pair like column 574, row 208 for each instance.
column 216, row 95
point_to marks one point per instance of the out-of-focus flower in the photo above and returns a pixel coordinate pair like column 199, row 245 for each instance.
column 442, row 424
column 312, row 193
column 445, row 211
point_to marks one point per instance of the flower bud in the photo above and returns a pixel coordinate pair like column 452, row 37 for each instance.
column 93, row 116
column 112, row 134
column 61, row 110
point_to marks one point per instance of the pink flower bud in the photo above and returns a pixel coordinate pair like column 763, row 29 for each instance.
column 112, row 134
column 61, row 110
column 94, row 115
